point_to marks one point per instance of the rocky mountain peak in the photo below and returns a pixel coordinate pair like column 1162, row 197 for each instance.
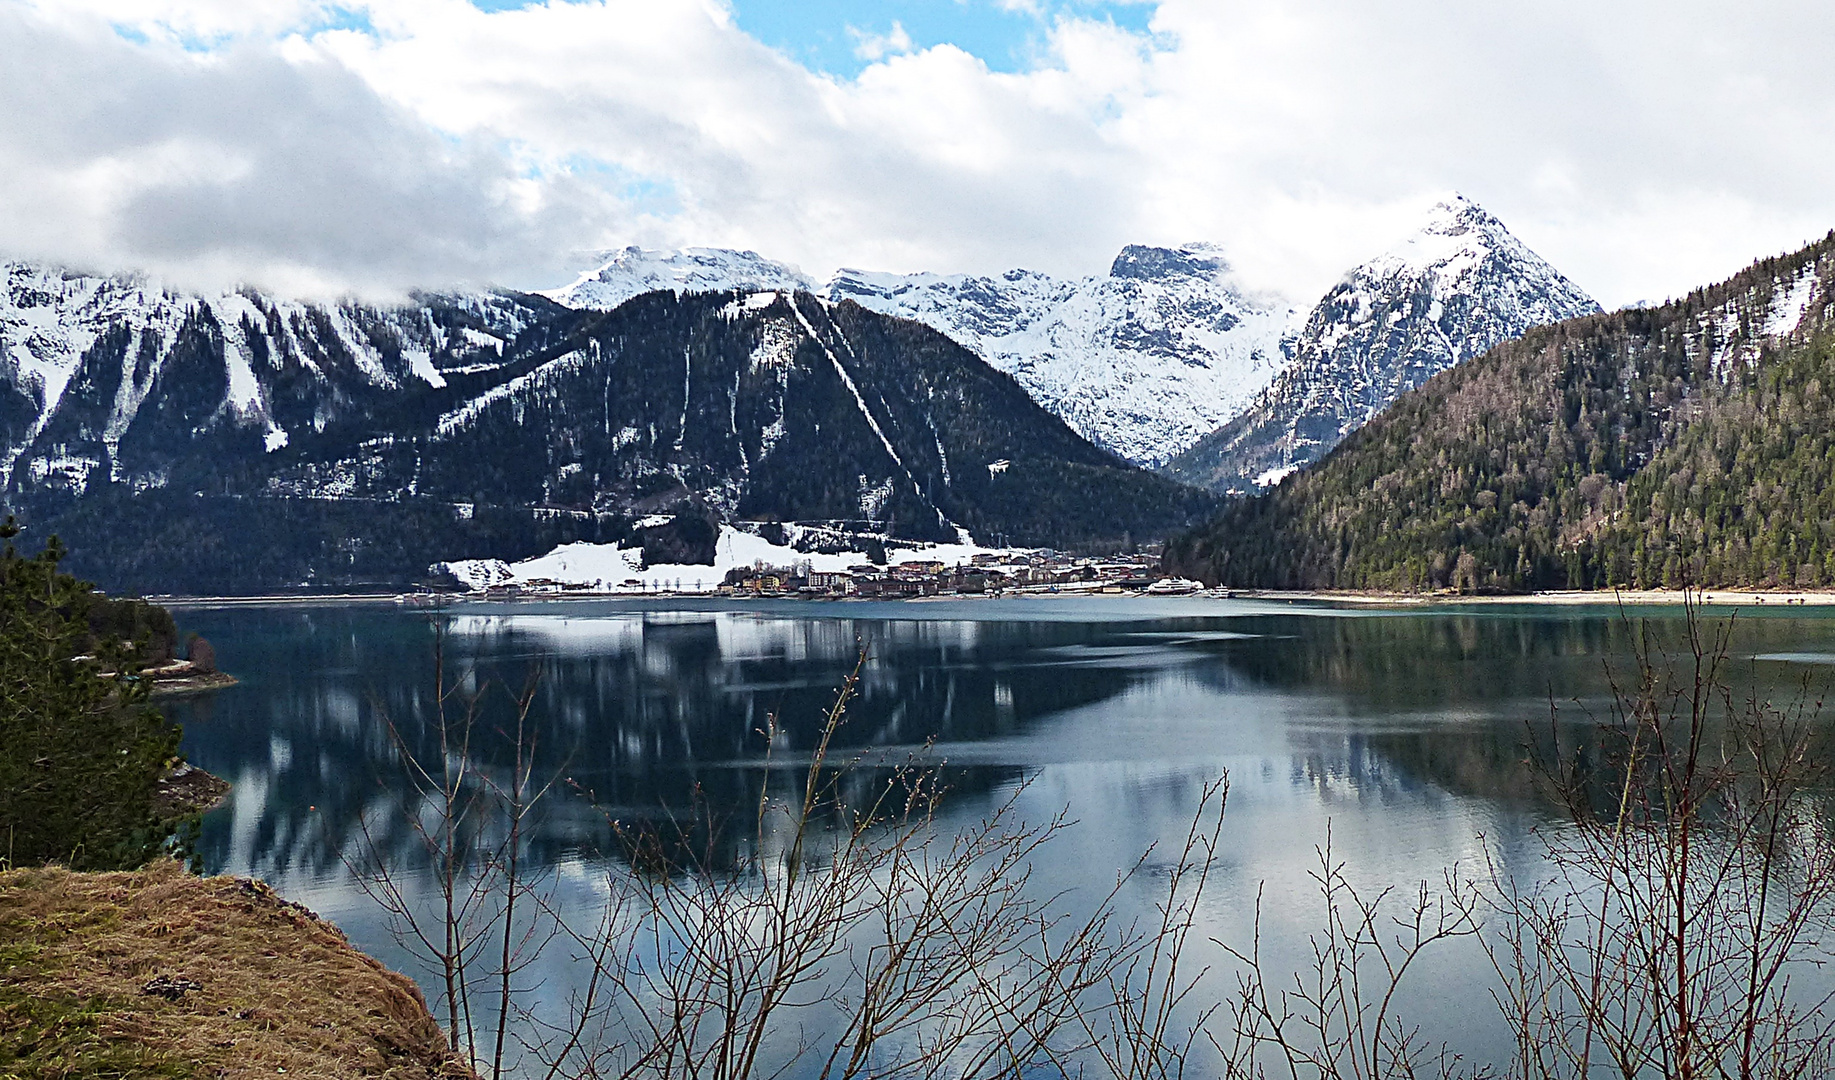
column 1142, row 361
column 1459, row 286
column 1456, row 213
column 1455, row 236
column 1150, row 263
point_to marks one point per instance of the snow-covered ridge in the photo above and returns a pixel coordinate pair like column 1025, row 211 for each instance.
column 1459, row 286
column 1167, row 348
column 1143, row 361
column 618, row 276
column 74, row 344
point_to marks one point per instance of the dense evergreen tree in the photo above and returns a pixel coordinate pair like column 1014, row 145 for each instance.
column 80, row 749
column 165, row 541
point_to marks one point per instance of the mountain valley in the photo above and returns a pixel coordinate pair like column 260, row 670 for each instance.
column 162, row 433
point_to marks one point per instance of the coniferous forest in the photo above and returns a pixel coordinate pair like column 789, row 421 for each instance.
column 1688, row 444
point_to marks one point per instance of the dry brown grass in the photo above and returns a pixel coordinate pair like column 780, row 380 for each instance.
column 281, row 993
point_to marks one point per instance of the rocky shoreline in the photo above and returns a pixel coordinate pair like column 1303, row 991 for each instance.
column 178, row 677
column 185, row 790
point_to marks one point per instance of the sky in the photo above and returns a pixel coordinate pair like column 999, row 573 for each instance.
column 326, row 147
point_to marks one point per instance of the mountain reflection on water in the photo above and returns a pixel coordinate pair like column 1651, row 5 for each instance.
column 1404, row 731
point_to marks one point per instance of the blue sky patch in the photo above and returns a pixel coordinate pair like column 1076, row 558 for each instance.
column 344, row 18
column 643, row 194
column 825, row 35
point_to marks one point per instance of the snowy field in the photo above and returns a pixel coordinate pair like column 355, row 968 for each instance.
column 612, row 569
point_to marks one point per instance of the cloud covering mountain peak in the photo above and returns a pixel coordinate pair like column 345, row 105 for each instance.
column 377, row 145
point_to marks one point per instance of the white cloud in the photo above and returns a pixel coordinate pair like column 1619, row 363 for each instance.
column 871, row 46
column 243, row 165
column 1644, row 147
column 188, row 22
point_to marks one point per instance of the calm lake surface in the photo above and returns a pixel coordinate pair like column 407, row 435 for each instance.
column 1403, row 732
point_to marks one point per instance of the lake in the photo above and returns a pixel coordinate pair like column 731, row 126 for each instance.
column 1402, row 731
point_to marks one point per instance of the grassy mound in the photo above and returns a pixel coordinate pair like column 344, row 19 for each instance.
column 156, row 973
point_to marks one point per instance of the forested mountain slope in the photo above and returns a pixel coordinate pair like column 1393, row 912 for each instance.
column 769, row 406
column 112, row 380
column 241, row 443
column 1692, row 443
column 1459, row 286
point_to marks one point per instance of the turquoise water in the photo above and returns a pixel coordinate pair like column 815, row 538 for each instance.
column 1403, row 732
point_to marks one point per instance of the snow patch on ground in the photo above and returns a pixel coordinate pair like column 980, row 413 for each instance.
column 357, row 344
column 1276, row 475
column 1787, row 310
column 420, row 362
column 609, row 568
column 244, row 391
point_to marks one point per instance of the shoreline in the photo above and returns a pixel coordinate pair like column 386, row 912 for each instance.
column 1560, row 598
column 184, row 685
column 1776, row 599
column 394, row 599
column 186, row 790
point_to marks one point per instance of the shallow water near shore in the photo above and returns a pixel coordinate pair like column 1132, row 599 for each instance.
column 1403, row 732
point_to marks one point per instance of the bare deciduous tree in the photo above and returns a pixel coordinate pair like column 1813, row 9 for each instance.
column 1338, row 1016
column 843, row 930
column 471, row 824
column 1693, row 884
column 853, row 938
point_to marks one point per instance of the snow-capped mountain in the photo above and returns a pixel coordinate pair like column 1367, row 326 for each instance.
column 238, row 441
column 1646, row 448
column 620, row 275
column 1460, row 286
column 769, row 406
column 1166, row 360
column 1144, row 361
column 334, row 437
column 113, row 377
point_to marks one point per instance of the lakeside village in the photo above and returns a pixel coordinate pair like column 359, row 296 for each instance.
column 987, row 573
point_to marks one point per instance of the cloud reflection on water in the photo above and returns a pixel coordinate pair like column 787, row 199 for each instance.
column 1405, row 734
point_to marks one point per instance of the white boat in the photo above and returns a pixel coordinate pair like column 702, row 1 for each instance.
column 1174, row 586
